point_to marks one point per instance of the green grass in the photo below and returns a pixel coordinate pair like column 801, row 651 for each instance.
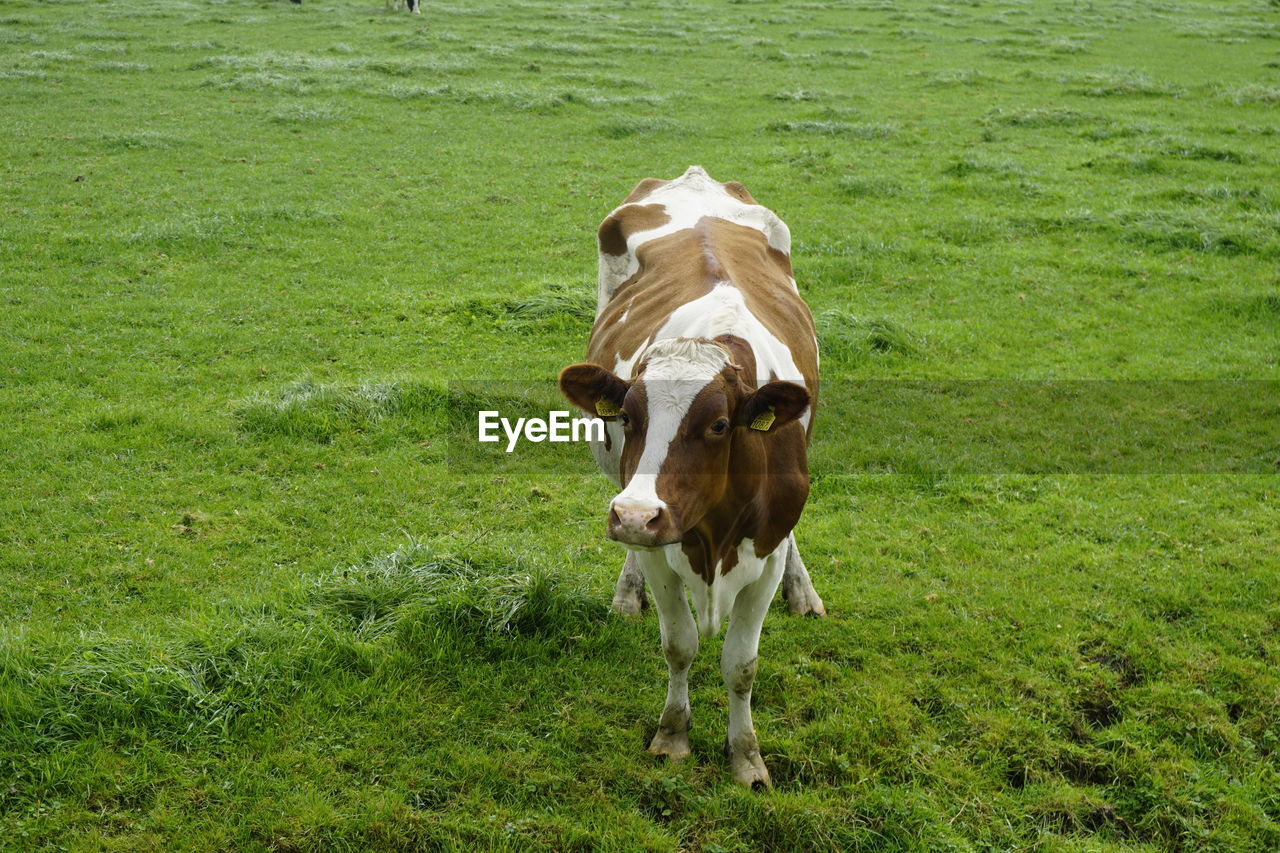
column 260, row 264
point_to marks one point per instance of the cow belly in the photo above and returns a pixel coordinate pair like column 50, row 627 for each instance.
column 713, row 602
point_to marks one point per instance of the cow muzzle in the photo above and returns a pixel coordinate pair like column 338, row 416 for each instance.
column 642, row 525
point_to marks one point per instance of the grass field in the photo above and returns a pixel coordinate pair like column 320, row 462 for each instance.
column 260, row 261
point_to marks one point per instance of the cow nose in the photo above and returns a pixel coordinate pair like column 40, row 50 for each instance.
column 644, row 521
column 634, row 518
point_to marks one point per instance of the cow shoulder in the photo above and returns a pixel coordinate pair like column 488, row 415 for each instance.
column 739, row 192
column 642, row 189
column 627, row 220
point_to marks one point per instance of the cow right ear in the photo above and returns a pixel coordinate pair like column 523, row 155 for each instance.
column 593, row 389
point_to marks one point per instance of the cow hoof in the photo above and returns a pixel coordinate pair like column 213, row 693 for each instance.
column 629, row 604
column 806, row 604
column 749, row 771
column 674, row 746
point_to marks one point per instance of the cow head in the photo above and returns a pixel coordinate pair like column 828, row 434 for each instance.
column 689, row 417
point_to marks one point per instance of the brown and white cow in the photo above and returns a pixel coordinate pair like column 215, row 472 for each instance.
column 704, row 364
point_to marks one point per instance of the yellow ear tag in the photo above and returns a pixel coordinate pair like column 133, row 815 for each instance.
column 764, row 420
column 606, row 408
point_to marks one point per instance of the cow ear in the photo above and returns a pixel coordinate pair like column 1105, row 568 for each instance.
column 774, row 405
column 593, row 389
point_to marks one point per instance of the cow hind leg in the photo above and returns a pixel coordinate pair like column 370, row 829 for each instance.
column 679, row 646
column 628, row 593
column 802, row 599
column 738, row 666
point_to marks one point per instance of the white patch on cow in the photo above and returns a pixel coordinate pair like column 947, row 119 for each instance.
column 677, row 370
column 687, row 199
column 694, row 195
column 608, row 457
column 682, row 358
column 723, row 311
column 713, row 602
column 624, row 365
column 612, row 272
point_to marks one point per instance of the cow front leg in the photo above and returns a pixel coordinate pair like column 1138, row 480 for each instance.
column 738, row 666
column 679, row 646
column 628, row 593
column 797, row 589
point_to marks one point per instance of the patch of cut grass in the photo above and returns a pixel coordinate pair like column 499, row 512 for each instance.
column 1104, row 84
column 306, row 409
column 260, row 81
column 1263, row 306
column 243, row 226
column 845, row 338
column 307, row 114
column 857, row 187
column 962, row 77
column 627, row 127
column 120, row 67
column 552, row 302
column 835, row 128
column 1181, row 232
column 798, row 95
column 1039, row 118
column 1062, row 44
column 1137, row 164
column 321, row 412
column 142, row 140
column 411, row 592
column 1196, row 151
column 1250, row 198
column 967, row 166
column 248, row 661
column 1252, row 93
column 22, row 74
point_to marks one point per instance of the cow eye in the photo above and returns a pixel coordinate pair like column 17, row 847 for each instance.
column 623, row 419
column 720, row 426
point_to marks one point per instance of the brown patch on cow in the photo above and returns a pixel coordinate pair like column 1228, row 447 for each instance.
column 701, row 557
column 672, row 271
column 628, row 220
column 761, row 498
column 782, row 260
column 739, row 192
column 730, row 560
column 740, row 353
column 643, row 189
column 712, row 268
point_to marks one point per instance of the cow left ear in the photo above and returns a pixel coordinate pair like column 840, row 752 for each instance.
column 593, row 389
column 774, row 405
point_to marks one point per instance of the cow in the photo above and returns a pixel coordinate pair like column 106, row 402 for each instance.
column 704, row 364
